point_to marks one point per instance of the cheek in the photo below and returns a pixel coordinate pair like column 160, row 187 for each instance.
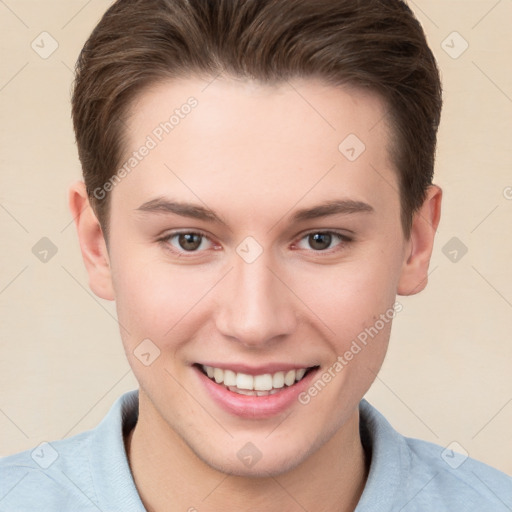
column 158, row 308
column 156, row 300
column 349, row 297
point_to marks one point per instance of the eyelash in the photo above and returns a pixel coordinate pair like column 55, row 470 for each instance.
column 344, row 241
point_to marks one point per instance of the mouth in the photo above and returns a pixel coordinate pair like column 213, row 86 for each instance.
column 259, row 385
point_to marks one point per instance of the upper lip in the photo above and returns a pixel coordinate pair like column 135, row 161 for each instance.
column 257, row 370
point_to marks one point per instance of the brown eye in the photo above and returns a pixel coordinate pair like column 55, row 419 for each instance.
column 189, row 241
column 188, row 244
column 324, row 241
column 320, row 241
column 186, row 241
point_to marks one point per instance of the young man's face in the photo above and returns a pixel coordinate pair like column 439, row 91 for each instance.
column 262, row 287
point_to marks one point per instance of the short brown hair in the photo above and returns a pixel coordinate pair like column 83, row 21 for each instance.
column 376, row 45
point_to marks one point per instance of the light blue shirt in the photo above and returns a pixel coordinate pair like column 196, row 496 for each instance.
column 90, row 472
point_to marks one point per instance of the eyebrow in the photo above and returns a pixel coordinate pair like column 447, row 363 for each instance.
column 335, row 207
column 163, row 205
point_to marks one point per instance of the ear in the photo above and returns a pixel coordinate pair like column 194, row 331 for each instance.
column 414, row 276
column 92, row 242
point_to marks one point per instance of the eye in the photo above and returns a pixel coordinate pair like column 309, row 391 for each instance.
column 185, row 241
column 323, row 240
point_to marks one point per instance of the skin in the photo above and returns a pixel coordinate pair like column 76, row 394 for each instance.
column 254, row 154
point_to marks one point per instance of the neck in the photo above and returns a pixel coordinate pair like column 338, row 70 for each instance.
column 170, row 477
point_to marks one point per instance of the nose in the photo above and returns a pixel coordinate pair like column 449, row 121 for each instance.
column 256, row 307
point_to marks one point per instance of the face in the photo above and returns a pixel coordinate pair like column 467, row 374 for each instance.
column 250, row 247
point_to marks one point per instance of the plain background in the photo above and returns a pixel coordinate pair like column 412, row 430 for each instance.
column 447, row 377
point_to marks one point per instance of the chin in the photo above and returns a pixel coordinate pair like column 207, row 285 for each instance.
column 266, row 467
column 261, row 459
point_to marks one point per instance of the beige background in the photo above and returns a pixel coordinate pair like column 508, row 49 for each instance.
column 448, row 374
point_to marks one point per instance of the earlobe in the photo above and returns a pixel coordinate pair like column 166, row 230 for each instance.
column 414, row 276
column 92, row 242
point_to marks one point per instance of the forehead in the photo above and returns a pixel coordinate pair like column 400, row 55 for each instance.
column 270, row 142
column 259, row 110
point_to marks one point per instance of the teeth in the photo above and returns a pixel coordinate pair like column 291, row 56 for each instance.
column 229, row 378
column 300, row 373
column 244, row 381
column 257, row 385
column 244, row 392
column 263, row 382
column 218, row 375
column 252, row 392
column 278, row 380
column 289, row 378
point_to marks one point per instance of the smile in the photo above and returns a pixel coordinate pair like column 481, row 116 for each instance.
column 254, row 393
column 255, row 385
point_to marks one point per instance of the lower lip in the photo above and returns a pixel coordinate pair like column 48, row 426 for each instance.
column 254, row 407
